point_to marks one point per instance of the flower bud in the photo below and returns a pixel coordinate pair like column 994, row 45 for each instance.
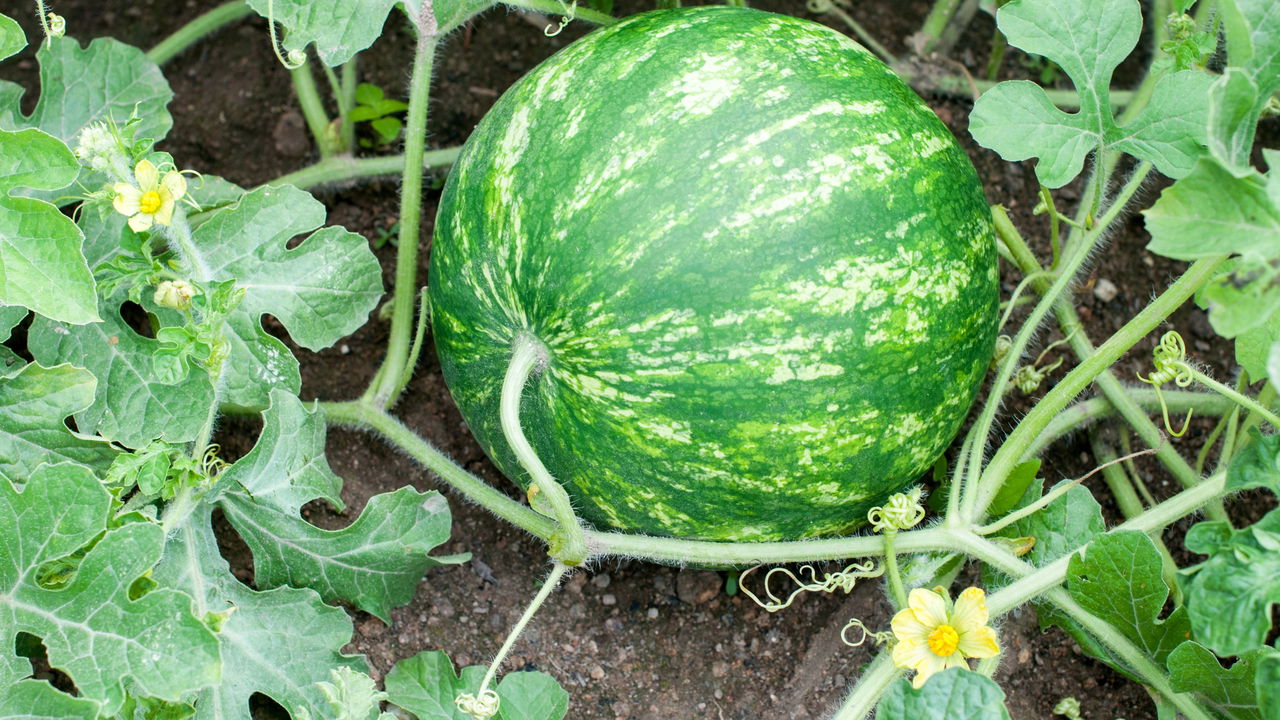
column 174, row 294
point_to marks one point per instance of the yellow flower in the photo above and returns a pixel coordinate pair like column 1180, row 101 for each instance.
column 934, row 635
column 152, row 199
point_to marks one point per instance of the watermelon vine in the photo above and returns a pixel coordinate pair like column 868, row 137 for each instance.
column 712, row 286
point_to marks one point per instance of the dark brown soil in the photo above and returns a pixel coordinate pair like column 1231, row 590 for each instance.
column 628, row 640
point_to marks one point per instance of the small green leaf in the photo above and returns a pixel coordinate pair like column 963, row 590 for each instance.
column 42, row 266
column 1252, row 76
column 1257, row 465
column 426, row 685
column 368, row 93
column 1015, row 486
column 338, row 28
column 954, row 694
column 12, row 39
column 1229, row 691
column 352, row 695
column 1061, row 527
column 388, row 128
column 94, row 631
column 38, row 700
column 33, row 406
column 1118, row 578
column 1254, row 346
column 1088, row 39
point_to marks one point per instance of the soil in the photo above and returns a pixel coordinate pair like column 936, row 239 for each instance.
column 628, row 640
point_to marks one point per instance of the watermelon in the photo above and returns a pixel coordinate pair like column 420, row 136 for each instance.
column 761, row 271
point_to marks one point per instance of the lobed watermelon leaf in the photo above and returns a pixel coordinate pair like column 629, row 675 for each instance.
column 12, row 39
column 1238, row 98
column 94, row 626
column 1088, row 39
column 427, row 684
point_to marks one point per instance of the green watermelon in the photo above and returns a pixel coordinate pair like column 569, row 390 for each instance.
column 762, row 271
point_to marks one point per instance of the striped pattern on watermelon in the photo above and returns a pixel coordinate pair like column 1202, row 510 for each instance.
column 763, row 271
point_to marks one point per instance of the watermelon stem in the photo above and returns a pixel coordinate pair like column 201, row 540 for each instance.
column 568, row 544
column 558, row 570
column 891, row 565
column 390, row 384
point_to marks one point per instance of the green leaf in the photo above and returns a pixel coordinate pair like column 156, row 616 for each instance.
column 1211, row 212
column 1267, row 682
column 38, row 700
column 1254, row 346
column 78, row 86
column 339, row 28
column 1257, row 465
column 93, row 630
column 281, row 643
column 368, row 93
column 42, row 266
column 1253, row 75
column 33, row 404
column 1061, row 527
column 12, row 39
column 387, row 128
column 954, row 694
column 1088, row 39
column 1118, row 578
column 375, row 563
column 1229, row 596
column 1015, row 486
column 353, row 696
column 320, row 290
column 426, row 686
column 1229, row 691
column 10, row 316
column 133, row 402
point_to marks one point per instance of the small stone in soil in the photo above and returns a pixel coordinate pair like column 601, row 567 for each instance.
column 608, row 599
column 697, row 586
column 1105, row 290
column 601, row 581
column 597, row 672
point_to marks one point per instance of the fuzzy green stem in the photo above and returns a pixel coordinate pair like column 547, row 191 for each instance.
column 567, row 545
column 395, row 365
column 340, row 169
column 1121, row 398
column 1239, row 398
column 304, row 86
column 558, row 570
column 1015, row 446
column 891, row 565
column 552, row 7
column 419, row 335
column 877, row 678
column 191, row 33
column 982, row 487
column 1087, row 412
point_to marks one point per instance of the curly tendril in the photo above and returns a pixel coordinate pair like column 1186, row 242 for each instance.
column 830, row 582
column 901, row 512
column 482, row 707
column 880, row 638
column 570, row 11
column 1170, row 361
column 1028, row 377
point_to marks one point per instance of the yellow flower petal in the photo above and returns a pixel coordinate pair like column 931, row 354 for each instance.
column 175, row 184
column 970, row 612
column 165, row 214
column 931, row 664
column 979, row 643
column 140, row 222
column 908, row 654
column 126, row 200
column 929, row 607
column 907, row 627
column 147, row 175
